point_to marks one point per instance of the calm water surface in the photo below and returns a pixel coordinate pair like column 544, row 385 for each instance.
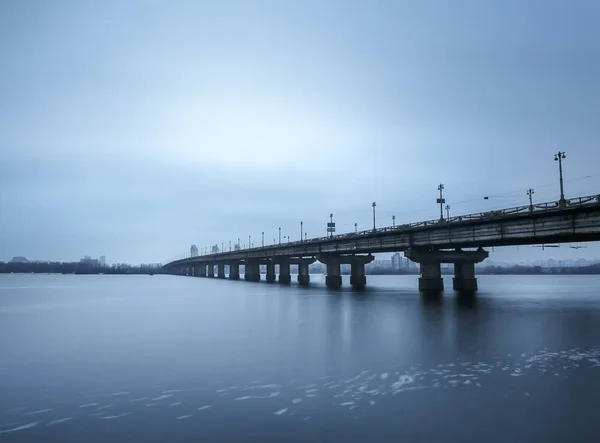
column 170, row 359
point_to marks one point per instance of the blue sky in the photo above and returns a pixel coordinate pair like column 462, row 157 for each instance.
column 134, row 129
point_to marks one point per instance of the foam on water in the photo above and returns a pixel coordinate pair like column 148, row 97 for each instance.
column 20, row 428
column 202, row 408
column 61, row 420
column 280, row 411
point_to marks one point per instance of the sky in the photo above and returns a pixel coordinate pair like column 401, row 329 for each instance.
column 135, row 129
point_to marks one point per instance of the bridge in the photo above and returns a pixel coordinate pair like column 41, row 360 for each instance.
column 459, row 240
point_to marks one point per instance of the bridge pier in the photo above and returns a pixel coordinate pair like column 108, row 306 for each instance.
column 464, row 268
column 358, row 279
column 234, row 271
column 221, row 270
column 252, row 271
column 210, row 271
column 271, row 271
column 303, row 273
column 284, row 272
column 201, row 270
column 431, row 277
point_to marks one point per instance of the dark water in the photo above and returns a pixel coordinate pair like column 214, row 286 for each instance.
column 170, row 359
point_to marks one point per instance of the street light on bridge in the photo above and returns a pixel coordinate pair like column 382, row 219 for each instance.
column 249, row 241
column 447, row 212
column 373, row 205
column 301, row 229
column 441, row 201
column 530, row 194
column 356, row 228
column 263, row 239
column 559, row 156
column 229, row 245
column 280, row 235
column 393, row 221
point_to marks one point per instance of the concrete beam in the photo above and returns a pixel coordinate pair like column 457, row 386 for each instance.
column 440, row 256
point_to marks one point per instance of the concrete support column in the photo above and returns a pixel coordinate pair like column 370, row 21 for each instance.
column 431, row 277
column 284, row 273
column 303, row 273
column 201, row 270
column 334, row 276
column 234, row 271
column 358, row 280
column 270, row 271
column 210, row 272
column 252, row 271
column 464, row 277
column 220, row 270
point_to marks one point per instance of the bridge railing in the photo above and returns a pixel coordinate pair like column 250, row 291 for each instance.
column 486, row 215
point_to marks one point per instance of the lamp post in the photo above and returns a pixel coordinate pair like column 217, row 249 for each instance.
column 263, row 239
column 373, row 205
column 301, row 230
column 280, row 235
column 229, row 245
column 530, row 194
column 330, row 227
column 222, row 247
column 447, row 212
column 441, row 201
column 249, row 241
column 393, row 221
column 356, row 228
column 305, row 236
column 238, row 243
column 559, row 156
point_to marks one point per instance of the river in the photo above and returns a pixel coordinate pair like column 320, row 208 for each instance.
column 161, row 358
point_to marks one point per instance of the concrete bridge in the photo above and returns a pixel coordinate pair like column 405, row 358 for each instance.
column 459, row 240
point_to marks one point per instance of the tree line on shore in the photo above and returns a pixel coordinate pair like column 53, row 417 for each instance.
column 75, row 268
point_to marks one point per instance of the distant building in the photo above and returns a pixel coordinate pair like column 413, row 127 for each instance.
column 236, row 247
column 87, row 260
column 19, row 260
column 102, row 260
column 193, row 251
column 214, row 249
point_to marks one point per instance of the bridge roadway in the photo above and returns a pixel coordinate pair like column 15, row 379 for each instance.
column 428, row 243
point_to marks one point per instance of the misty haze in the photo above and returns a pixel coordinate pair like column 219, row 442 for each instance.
column 299, row 221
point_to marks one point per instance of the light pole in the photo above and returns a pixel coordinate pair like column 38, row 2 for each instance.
column 330, row 225
column 305, row 236
column 263, row 239
column 447, row 212
column 374, row 204
column 301, row 230
column 393, row 221
column 222, row 247
column 249, row 241
column 229, row 245
column 280, row 235
column 238, row 243
column 559, row 156
column 441, row 201
column 356, row 228
column 530, row 194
